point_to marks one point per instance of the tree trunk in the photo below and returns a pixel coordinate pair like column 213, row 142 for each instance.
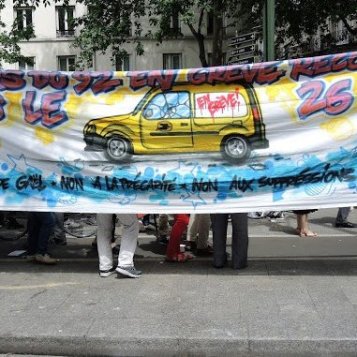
column 200, row 40
column 217, row 39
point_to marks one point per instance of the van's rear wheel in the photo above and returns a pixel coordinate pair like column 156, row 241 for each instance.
column 118, row 149
column 235, row 149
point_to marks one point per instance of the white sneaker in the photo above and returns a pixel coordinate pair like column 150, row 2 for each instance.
column 129, row 271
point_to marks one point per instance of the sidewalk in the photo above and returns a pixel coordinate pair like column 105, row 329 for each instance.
column 297, row 297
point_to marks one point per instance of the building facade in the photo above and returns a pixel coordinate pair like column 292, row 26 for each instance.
column 51, row 48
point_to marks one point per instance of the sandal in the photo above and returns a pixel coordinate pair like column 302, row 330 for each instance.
column 179, row 258
column 308, row 234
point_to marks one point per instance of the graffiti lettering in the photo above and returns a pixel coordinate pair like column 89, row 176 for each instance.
column 312, row 67
column 72, row 183
column 98, row 82
column 49, row 112
column 34, row 182
column 162, row 79
column 41, row 79
column 240, row 184
column 4, row 183
column 308, row 176
column 12, row 80
column 31, row 116
column 204, row 186
column 333, row 101
column 85, row 81
column 105, row 83
column 122, row 184
column 258, row 73
column 224, row 102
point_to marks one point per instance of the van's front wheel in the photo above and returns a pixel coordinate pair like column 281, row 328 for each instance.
column 118, row 149
column 235, row 149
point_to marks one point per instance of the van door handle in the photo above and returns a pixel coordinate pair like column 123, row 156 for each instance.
column 164, row 126
column 184, row 124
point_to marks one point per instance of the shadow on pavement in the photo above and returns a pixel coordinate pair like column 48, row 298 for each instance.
column 198, row 266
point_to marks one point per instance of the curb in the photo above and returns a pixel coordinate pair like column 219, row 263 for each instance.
column 182, row 346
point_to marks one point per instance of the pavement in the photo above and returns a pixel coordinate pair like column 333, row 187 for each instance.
column 298, row 297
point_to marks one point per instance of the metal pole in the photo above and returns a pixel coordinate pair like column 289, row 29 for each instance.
column 269, row 29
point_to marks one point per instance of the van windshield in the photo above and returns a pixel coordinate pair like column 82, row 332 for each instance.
column 172, row 105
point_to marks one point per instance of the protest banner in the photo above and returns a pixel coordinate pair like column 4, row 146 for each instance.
column 278, row 135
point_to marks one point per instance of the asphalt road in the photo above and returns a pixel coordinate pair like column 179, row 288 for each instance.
column 298, row 297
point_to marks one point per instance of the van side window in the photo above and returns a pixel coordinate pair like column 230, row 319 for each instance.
column 220, row 105
column 171, row 105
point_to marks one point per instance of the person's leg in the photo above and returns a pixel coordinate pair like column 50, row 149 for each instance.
column 342, row 218
column 299, row 222
column 193, row 227
column 219, row 229
column 204, row 224
column 173, row 248
column 163, row 228
column 128, row 245
column 239, row 240
column 129, row 239
column 104, row 235
column 342, row 214
column 192, row 231
column 32, row 235
column 59, row 233
column 305, row 231
column 46, row 221
column 146, row 220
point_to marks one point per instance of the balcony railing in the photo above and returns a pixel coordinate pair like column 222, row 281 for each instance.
column 65, row 33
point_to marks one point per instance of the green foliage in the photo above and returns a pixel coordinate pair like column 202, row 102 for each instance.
column 107, row 26
column 297, row 21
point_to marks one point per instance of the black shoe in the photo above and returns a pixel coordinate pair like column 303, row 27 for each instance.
column 345, row 225
column 60, row 242
column 219, row 266
column 190, row 245
column 205, row 252
column 163, row 240
column 240, row 266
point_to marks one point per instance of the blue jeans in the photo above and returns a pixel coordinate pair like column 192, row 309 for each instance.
column 40, row 227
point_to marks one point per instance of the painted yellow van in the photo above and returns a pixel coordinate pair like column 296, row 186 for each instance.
column 185, row 119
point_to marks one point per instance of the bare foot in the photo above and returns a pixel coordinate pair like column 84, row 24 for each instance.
column 309, row 233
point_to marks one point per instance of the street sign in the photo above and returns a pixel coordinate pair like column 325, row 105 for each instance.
column 243, row 50
column 236, row 41
column 236, row 60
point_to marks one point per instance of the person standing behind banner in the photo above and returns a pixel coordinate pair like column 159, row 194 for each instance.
column 302, row 219
column 199, row 233
column 59, row 232
column 40, row 226
column 173, row 253
column 239, row 239
column 342, row 218
column 129, row 240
